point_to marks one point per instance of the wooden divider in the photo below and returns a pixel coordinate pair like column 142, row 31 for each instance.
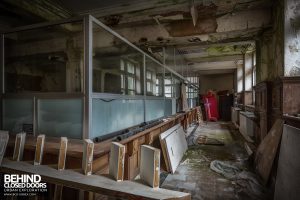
column 19, row 146
column 100, row 161
column 62, row 153
column 39, row 150
column 150, row 165
column 116, row 161
column 87, row 158
column 4, row 137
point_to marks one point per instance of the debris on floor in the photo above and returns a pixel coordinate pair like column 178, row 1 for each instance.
column 195, row 176
column 203, row 139
column 246, row 182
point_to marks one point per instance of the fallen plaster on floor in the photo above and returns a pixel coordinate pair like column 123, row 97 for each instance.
column 194, row 174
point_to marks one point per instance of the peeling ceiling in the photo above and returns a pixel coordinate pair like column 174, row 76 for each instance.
column 214, row 36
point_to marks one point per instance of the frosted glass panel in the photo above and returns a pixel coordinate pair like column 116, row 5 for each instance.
column 170, row 107
column 60, row 117
column 113, row 115
column 154, row 109
column 17, row 114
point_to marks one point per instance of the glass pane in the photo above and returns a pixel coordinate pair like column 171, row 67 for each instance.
column 48, row 59
column 149, row 75
column 168, row 89
column 248, row 71
column 176, row 87
column 60, row 117
column 154, row 78
column 131, row 83
column 18, row 115
column 170, row 107
column 112, row 59
column 149, row 86
column 168, row 84
column 130, row 67
column 154, row 109
column 113, row 115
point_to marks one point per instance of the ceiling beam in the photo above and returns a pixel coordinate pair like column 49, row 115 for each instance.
column 216, row 58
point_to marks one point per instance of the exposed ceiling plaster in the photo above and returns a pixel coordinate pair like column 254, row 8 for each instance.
column 166, row 23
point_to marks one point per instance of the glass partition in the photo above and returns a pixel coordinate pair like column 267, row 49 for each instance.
column 168, row 85
column 47, row 59
column 17, row 115
column 60, row 117
column 176, row 87
column 117, row 66
column 154, row 78
column 63, row 80
column 110, row 115
column 155, row 109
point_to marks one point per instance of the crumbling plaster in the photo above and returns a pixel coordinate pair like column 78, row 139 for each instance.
column 292, row 38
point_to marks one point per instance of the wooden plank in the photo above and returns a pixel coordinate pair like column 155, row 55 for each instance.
column 267, row 150
column 87, row 158
column 176, row 146
column 39, row 149
column 150, row 165
column 99, row 184
column 162, row 137
column 4, row 137
column 62, row 153
column 288, row 174
column 19, row 146
column 58, row 192
column 116, row 161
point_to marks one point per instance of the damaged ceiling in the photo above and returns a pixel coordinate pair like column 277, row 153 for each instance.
column 209, row 34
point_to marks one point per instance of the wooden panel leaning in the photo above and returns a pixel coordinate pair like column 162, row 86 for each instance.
column 19, row 146
column 150, row 165
column 87, row 157
column 116, row 161
column 62, row 153
column 3, row 143
column 39, row 148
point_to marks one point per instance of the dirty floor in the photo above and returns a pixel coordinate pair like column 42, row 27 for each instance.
column 194, row 175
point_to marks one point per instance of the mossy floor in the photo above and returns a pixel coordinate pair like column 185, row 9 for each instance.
column 194, row 175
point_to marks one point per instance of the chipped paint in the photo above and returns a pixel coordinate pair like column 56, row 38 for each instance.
column 225, row 50
column 292, row 38
column 202, row 27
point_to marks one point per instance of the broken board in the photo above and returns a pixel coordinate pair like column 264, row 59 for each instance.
column 3, row 143
column 40, row 141
column 62, row 153
column 204, row 140
column 87, row 158
column 267, row 149
column 162, row 137
column 150, row 165
column 174, row 146
column 288, row 175
column 19, row 146
column 116, row 161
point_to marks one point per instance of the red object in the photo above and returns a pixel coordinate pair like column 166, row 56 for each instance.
column 211, row 106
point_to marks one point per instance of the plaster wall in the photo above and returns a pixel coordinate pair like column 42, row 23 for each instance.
column 292, row 38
